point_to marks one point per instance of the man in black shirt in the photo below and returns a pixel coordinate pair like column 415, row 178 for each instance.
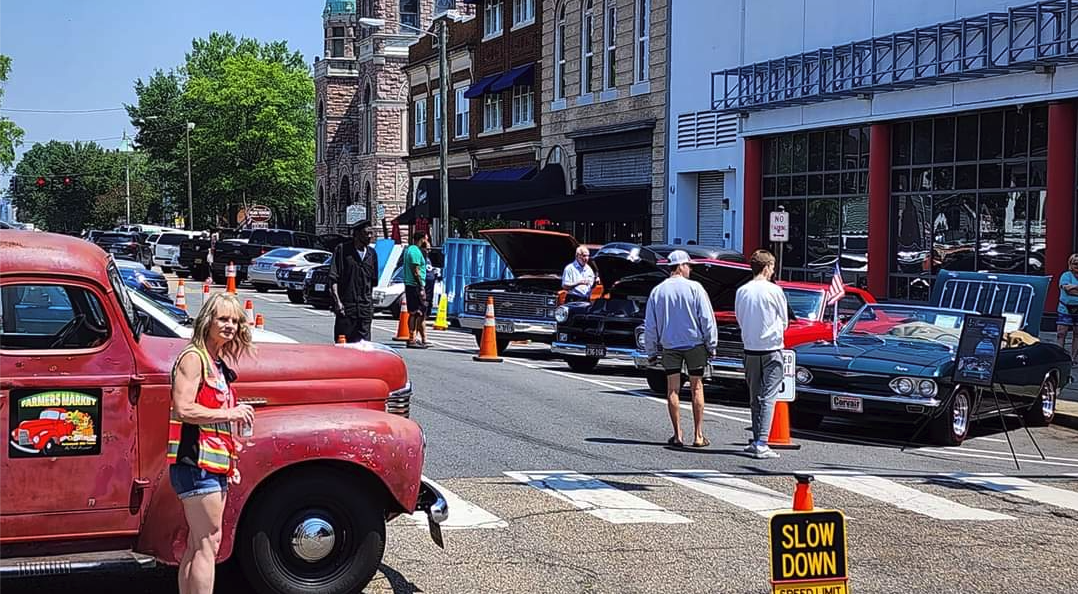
column 352, row 277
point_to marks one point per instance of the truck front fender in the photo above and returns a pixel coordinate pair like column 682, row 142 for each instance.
column 340, row 437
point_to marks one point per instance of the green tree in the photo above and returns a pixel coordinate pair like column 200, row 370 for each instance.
column 10, row 134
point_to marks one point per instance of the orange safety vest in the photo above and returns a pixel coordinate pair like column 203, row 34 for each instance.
column 216, row 450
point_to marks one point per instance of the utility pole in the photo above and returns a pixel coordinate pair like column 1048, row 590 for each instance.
column 190, row 201
column 443, row 149
column 127, row 176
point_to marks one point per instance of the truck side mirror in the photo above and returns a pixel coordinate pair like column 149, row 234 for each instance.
column 142, row 321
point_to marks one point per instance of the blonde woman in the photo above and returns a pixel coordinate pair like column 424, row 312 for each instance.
column 201, row 453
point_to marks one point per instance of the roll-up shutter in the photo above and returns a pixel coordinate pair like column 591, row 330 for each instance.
column 709, row 209
column 626, row 167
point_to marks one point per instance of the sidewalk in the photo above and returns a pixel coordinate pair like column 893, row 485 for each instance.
column 1067, row 405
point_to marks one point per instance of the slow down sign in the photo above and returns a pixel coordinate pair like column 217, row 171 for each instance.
column 808, row 553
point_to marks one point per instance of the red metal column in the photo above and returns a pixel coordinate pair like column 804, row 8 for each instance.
column 753, row 196
column 879, row 208
column 1059, row 207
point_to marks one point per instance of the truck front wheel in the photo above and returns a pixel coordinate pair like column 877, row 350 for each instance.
column 312, row 532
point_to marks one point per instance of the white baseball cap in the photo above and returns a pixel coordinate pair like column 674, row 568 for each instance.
column 677, row 257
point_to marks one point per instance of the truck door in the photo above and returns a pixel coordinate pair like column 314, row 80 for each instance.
column 72, row 443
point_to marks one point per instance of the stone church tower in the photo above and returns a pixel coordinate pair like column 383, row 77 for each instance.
column 361, row 108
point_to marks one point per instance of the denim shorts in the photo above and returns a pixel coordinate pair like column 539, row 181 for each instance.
column 191, row 481
column 1066, row 319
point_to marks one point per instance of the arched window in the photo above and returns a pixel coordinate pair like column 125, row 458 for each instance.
column 368, row 124
column 320, row 207
column 587, row 52
column 559, row 52
column 367, row 201
column 344, row 198
column 320, row 142
column 643, row 41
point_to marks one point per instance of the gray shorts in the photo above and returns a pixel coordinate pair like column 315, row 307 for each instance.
column 693, row 359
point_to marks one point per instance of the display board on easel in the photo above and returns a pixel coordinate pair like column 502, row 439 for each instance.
column 978, row 350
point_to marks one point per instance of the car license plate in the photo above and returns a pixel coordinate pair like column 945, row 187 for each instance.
column 596, row 351
column 504, row 327
column 846, row 403
column 319, row 287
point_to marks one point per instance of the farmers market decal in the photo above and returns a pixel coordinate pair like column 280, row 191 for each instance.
column 46, row 423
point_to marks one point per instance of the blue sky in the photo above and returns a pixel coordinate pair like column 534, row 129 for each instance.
column 87, row 54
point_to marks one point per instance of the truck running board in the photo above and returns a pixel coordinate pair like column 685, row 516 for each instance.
column 124, row 560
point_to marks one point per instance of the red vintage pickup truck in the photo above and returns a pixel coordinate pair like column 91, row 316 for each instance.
column 332, row 459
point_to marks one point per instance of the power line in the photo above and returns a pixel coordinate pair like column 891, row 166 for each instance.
column 71, row 111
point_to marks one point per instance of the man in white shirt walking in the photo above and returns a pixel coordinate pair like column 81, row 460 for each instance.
column 578, row 278
column 679, row 326
column 761, row 310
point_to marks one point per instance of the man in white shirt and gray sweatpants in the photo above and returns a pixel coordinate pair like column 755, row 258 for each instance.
column 679, row 326
column 761, row 310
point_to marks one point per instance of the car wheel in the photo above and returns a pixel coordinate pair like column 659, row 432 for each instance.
column 395, row 309
column 50, row 447
column 951, row 427
column 166, row 269
column 295, row 296
column 804, row 420
column 582, row 364
column 312, row 532
column 262, row 288
column 1044, row 407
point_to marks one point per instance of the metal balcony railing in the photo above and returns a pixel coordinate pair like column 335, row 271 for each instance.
column 1027, row 37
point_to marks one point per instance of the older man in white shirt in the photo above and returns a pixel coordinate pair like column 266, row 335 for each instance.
column 578, row 278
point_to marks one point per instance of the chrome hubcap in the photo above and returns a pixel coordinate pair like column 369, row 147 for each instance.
column 961, row 414
column 1048, row 399
column 313, row 539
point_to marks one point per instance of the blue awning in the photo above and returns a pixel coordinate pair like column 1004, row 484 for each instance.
column 521, row 75
column 480, row 87
column 509, row 174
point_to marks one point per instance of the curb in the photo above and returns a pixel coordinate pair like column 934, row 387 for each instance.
column 1066, row 414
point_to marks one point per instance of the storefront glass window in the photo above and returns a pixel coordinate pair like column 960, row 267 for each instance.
column 976, row 203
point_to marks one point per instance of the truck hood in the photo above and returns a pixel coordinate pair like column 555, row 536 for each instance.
column 288, row 374
column 616, row 261
column 873, row 354
column 36, row 426
column 528, row 252
column 721, row 279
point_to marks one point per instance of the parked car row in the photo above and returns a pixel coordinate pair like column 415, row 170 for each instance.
column 890, row 362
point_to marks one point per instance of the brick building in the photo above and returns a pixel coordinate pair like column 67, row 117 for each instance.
column 362, row 108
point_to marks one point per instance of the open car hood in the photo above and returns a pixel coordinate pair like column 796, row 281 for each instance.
column 529, row 252
column 721, row 279
column 616, row 261
column 1007, row 295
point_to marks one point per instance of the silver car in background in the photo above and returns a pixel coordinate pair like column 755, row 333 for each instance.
column 262, row 272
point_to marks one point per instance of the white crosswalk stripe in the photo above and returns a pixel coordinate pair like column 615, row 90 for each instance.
column 905, row 497
column 463, row 515
column 1020, row 487
column 599, row 499
column 733, row 490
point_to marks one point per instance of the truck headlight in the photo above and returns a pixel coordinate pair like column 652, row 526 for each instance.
column 902, row 385
column 640, row 342
column 927, row 388
column 804, row 376
column 561, row 314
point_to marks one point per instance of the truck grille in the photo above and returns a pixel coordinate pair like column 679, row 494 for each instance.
column 730, row 348
column 528, row 306
column 608, row 331
column 399, row 402
column 24, row 437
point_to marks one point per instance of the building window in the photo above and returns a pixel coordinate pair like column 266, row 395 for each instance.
column 492, row 18
column 643, row 44
column 587, row 52
column 523, row 106
column 366, row 10
column 610, row 45
column 320, row 145
column 438, row 116
column 420, row 134
column 336, row 42
column 409, row 15
column 463, row 106
column 523, row 11
column 967, row 193
column 821, row 179
column 492, row 112
column 559, row 53
column 368, row 117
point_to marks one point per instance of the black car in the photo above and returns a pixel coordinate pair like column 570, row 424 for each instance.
column 243, row 250
column 127, row 246
column 588, row 332
column 896, row 363
column 316, row 286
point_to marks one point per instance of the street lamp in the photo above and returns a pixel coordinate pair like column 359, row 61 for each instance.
column 443, row 80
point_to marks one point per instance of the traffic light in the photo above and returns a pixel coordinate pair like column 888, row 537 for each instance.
column 67, row 181
column 40, row 182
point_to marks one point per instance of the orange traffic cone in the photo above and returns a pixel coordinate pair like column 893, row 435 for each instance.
column 803, row 493
column 181, row 296
column 488, row 345
column 341, row 339
column 205, row 288
column 779, row 438
column 260, row 322
column 249, row 312
column 402, row 326
column 230, row 272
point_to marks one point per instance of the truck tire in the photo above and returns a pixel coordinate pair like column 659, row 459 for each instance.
column 320, row 500
column 295, row 296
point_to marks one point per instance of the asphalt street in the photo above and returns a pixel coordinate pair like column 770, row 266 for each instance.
column 563, row 482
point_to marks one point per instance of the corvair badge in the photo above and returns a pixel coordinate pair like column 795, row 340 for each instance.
column 901, row 368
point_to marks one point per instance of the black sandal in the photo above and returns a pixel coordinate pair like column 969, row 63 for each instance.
column 675, row 442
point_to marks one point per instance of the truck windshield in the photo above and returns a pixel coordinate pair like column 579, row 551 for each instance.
column 109, row 238
column 171, row 239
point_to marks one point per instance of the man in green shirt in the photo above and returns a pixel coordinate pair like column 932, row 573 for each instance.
column 415, row 280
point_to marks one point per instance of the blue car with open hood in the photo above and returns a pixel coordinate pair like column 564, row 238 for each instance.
column 895, row 362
